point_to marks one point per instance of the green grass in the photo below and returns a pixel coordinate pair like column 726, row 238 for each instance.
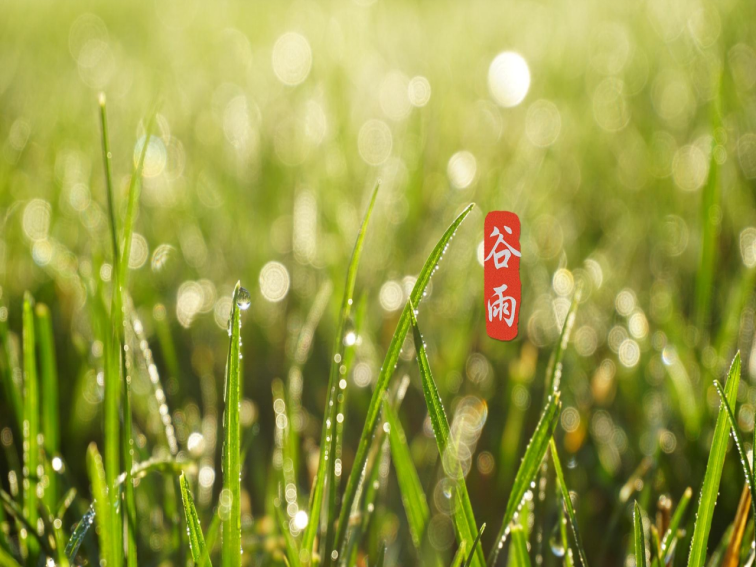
column 128, row 423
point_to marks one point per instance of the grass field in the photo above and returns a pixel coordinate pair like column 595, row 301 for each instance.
column 341, row 404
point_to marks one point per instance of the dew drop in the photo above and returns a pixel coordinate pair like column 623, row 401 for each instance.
column 243, row 299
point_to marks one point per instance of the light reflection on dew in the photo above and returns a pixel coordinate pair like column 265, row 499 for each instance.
column 509, row 79
column 155, row 159
column 391, row 296
column 139, row 251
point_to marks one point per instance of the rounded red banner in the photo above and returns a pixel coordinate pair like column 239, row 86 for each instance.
column 501, row 253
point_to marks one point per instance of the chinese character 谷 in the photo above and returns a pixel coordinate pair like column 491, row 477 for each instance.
column 506, row 250
column 500, row 307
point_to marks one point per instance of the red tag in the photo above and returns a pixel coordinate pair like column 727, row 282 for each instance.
column 501, row 253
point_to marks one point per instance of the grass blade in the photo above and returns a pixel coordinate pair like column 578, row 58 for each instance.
column 462, row 516
column 80, row 531
column 292, row 551
column 529, row 467
column 519, row 557
column 413, row 496
column 639, row 537
column 7, row 560
column 744, row 460
column 475, row 544
column 328, row 438
column 379, row 561
column 387, row 369
column 670, row 537
column 713, row 475
column 196, row 539
column 50, row 419
column 567, row 502
column 732, row 553
column 554, row 369
column 101, row 503
column 31, row 426
column 134, row 189
column 230, row 500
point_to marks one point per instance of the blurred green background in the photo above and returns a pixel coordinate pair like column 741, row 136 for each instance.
column 622, row 134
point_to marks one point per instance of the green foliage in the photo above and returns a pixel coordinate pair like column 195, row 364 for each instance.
column 710, row 488
column 196, row 539
column 639, row 538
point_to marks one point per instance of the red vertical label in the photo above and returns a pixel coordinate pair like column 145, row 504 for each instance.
column 501, row 253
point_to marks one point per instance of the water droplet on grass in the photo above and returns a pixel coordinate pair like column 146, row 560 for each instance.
column 243, row 299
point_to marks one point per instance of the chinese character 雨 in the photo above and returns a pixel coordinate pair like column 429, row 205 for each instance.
column 500, row 307
column 506, row 251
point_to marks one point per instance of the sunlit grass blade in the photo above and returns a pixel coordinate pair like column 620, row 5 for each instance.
column 30, row 426
column 475, row 545
column 196, row 539
column 569, row 560
column 133, row 201
column 713, row 474
column 554, row 369
column 292, row 550
column 413, row 496
column 733, row 551
column 529, row 467
column 670, row 537
column 567, row 501
column 462, row 514
column 80, row 531
column 11, row 385
column 328, row 437
column 49, row 383
column 101, row 504
column 638, row 537
column 744, row 459
column 7, row 560
column 326, row 462
column 230, row 500
column 387, row 369
column 519, row 556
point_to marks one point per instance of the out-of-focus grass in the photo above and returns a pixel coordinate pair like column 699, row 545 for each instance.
column 274, row 124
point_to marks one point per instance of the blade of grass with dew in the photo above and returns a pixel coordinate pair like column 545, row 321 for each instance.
column 112, row 348
column 387, row 370
column 231, row 493
column 567, row 501
column 744, row 460
column 121, row 282
column 569, row 560
column 196, row 539
column 80, row 531
column 475, row 544
column 50, row 419
column 31, row 425
column 670, row 537
column 326, row 462
column 529, row 468
column 713, row 474
column 638, row 536
column 294, row 378
column 413, row 496
column 554, row 369
column 101, row 504
column 462, row 515
column 519, row 556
